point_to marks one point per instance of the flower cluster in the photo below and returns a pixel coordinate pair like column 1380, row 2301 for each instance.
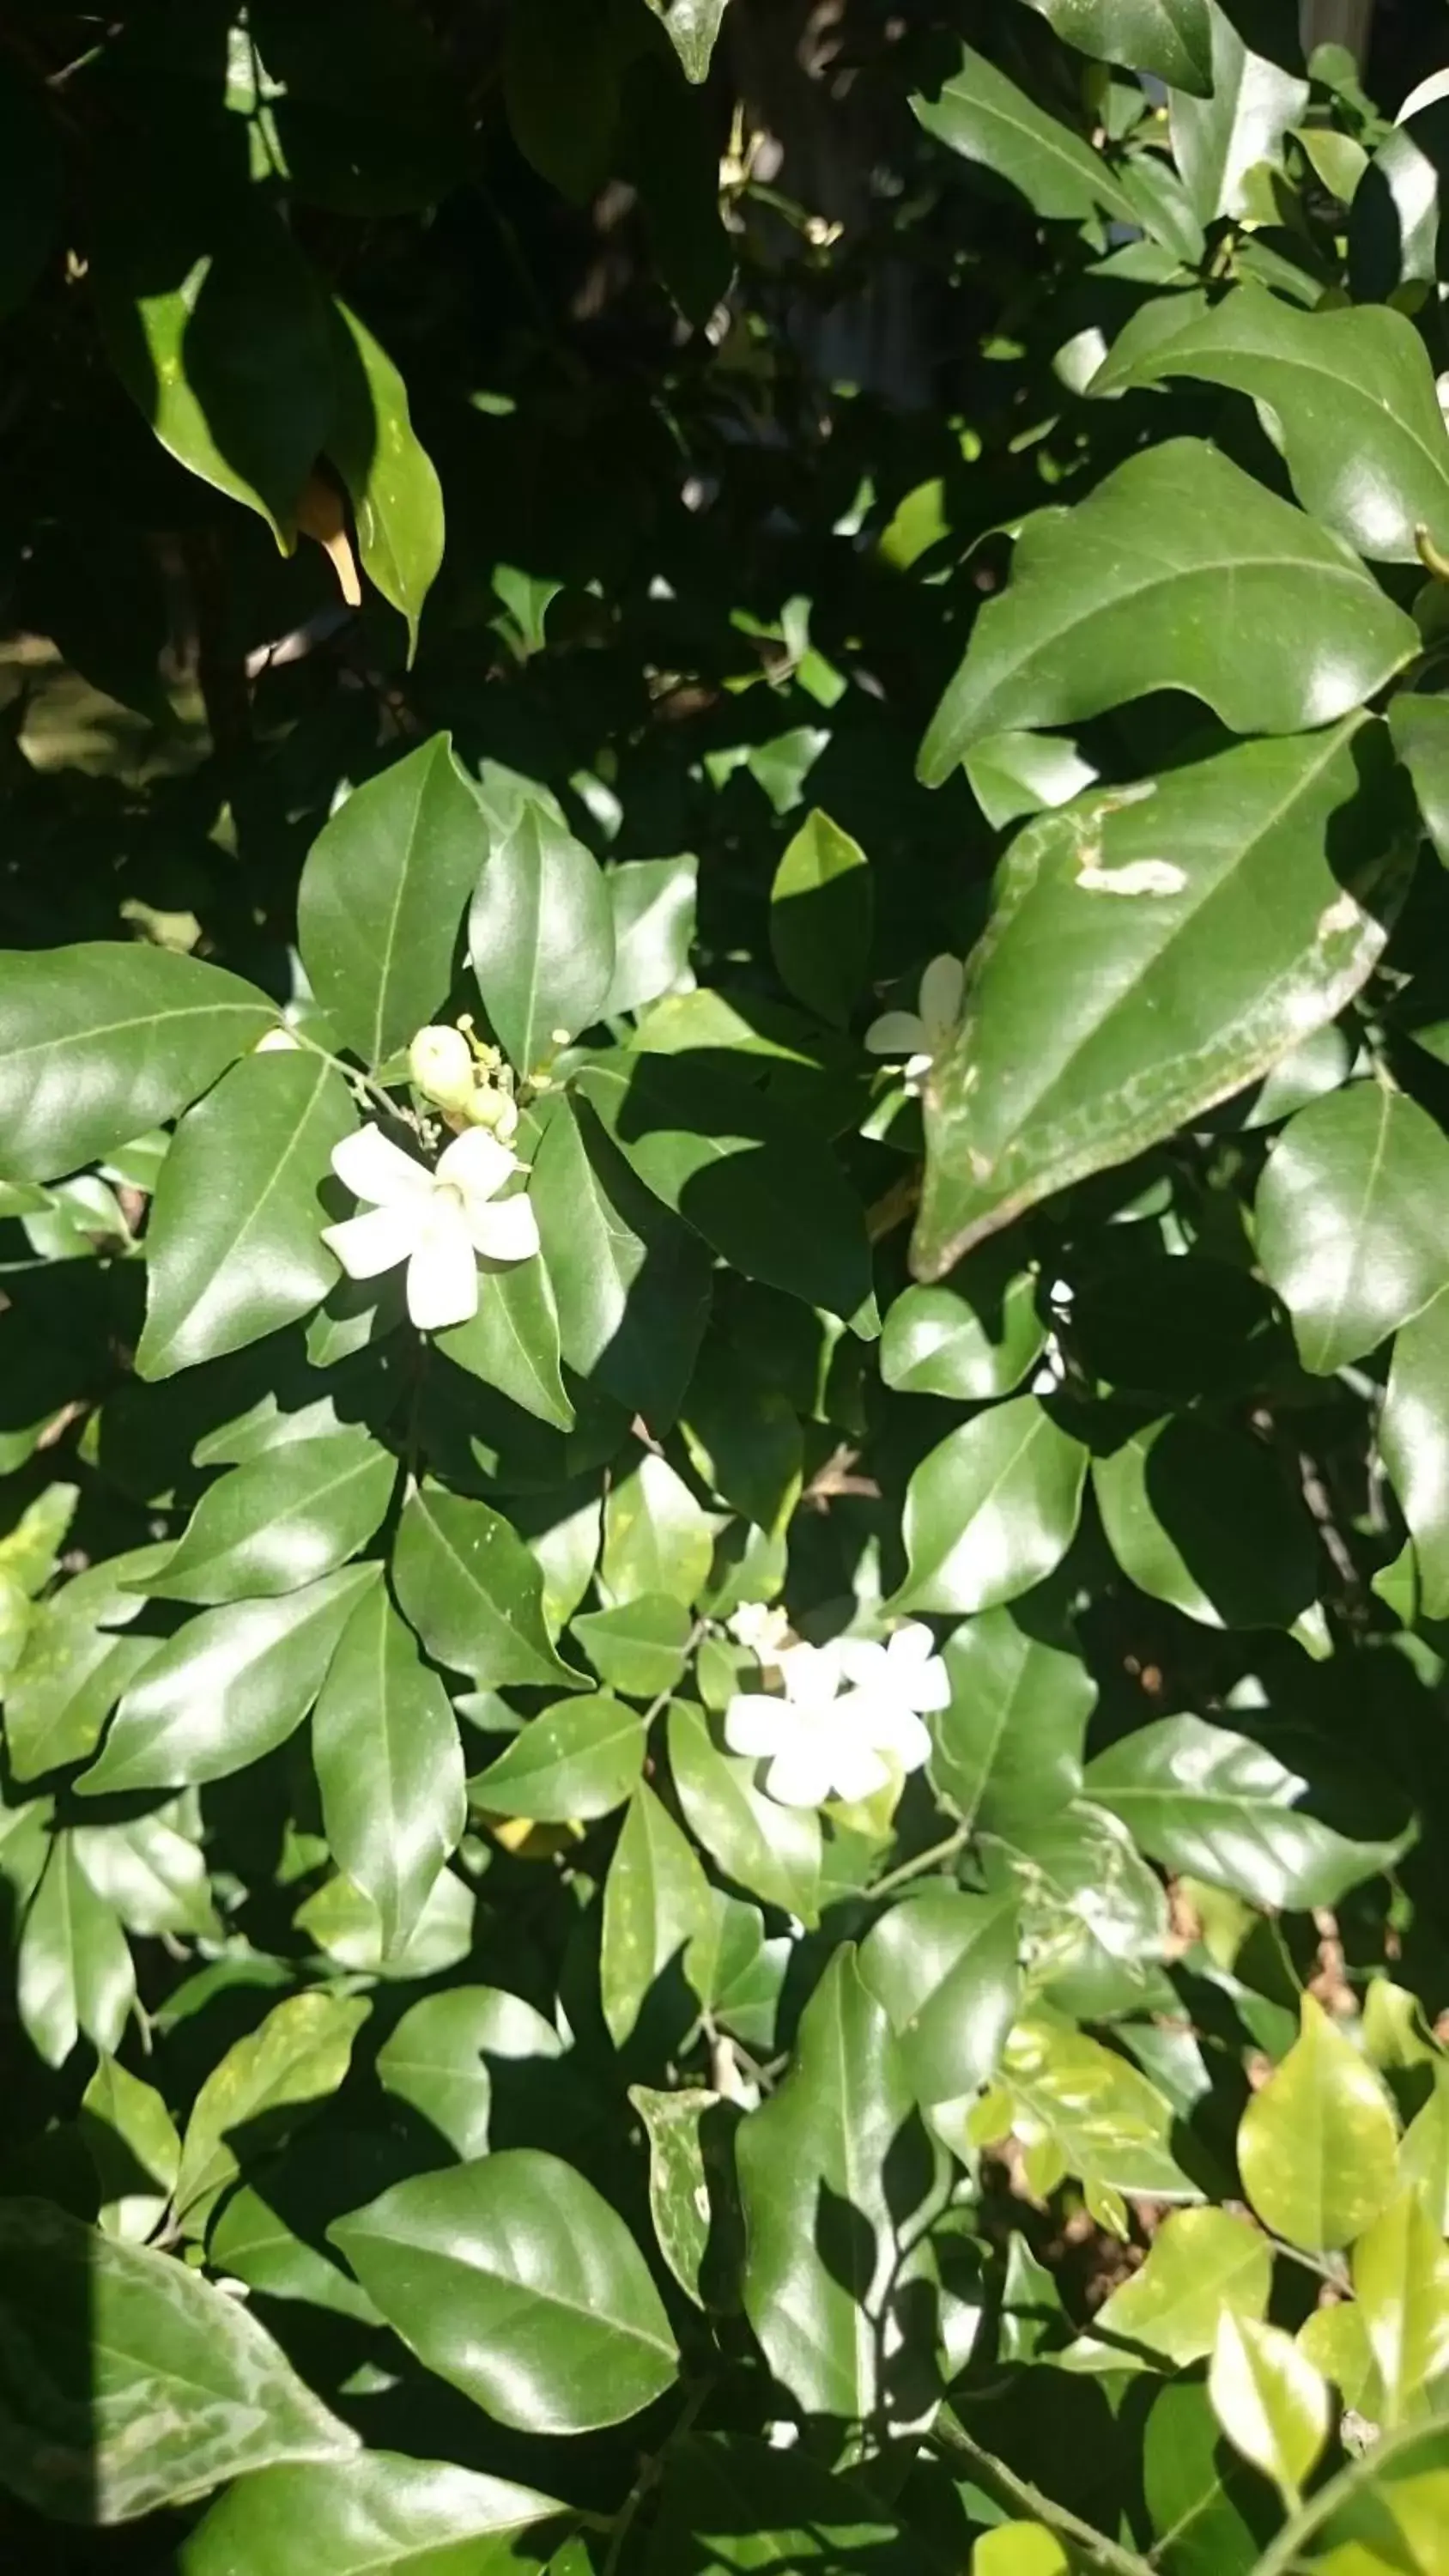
column 847, row 1716
column 440, row 1222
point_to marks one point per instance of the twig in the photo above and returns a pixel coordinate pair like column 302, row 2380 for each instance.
column 1093, row 2547
column 923, row 1861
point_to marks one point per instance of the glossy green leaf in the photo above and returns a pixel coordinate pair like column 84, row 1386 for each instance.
column 1170, row 38
column 1009, row 1745
column 1383, row 2515
column 657, row 1538
column 151, row 1872
column 260, row 2091
column 1401, row 2282
column 512, row 1342
column 1352, row 1220
column 389, row 1765
column 382, row 895
column 1316, row 2145
column 653, row 903
column 437, row 2058
column 1095, row 1914
column 130, row 2383
column 993, row 1510
column 1420, row 727
column 234, row 1248
column 822, row 907
column 656, row 1910
column 1350, row 395
column 631, row 1283
column 1219, row 138
column 834, row 2180
column 944, row 1965
column 73, row 1972
column 1012, row 774
column 346, row 1927
column 1200, row 2262
column 693, row 27
column 580, row 1758
column 131, row 2140
column 1414, row 1446
column 541, row 932
column 1204, row 1517
column 973, row 1337
column 1151, row 953
column 227, row 1688
column 473, row 1591
column 982, row 115
column 1424, row 2152
column 396, row 497
column 773, row 1851
column 380, row 2513
column 1178, row 572
column 1107, row 2122
column 283, row 1520
column 1270, row 2401
column 639, row 1648
column 67, row 1680
column 105, row 1040
column 513, row 2279
column 760, row 1188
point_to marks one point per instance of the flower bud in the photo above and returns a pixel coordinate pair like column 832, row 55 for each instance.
column 497, row 1110
column 440, row 1062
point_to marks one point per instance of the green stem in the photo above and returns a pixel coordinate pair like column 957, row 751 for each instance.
column 1027, row 2502
column 923, row 1861
column 352, row 1073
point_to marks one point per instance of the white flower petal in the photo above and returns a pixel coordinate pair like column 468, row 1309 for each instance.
column 799, row 1776
column 375, row 1169
column 898, row 1731
column 811, row 1675
column 916, row 1070
column 476, row 1163
column 443, row 1272
column 864, row 1663
column 898, row 1033
column 753, row 1724
column 856, row 1770
column 911, row 1643
column 943, row 990
column 502, row 1229
column 366, row 1245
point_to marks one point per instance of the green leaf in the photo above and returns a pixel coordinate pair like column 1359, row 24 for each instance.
column 1212, row 1804
column 653, row 902
column 1172, row 39
column 1401, row 2281
column 1336, row 2342
column 1316, row 2146
column 1383, row 2515
column 657, row 1538
column 1012, row 774
column 281, row 1521
column 1204, row 1517
column 234, row 1247
column 261, row 2090
column 1352, row 1220
column 1270, row 2401
column 1108, row 2124
column 691, row 2170
column 835, row 2176
column 396, row 497
column 972, row 1338
column 541, row 932
column 346, row 1926
column 151, row 1873
column 631, row 1282
column 389, row 1766
column 381, row 898
column 1208, row 2512
column 1414, row 1446
column 762, row 1189
column 512, row 1342
column 1009, row 1746
column 513, row 2279
column 657, row 1911
column 944, row 1965
column 992, row 1511
column 130, row 2383
column 380, row 2513
column 437, row 2058
column 1096, row 1915
column 1219, row 138
column 1420, row 727
column 103, row 1041
column 1178, row 572
column 1200, row 2263
column 473, row 1591
column 1424, row 2152
column 732, row 2506
column 773, row 1851
column 745, row 1439
column 63, row 1688
column 640, row 1648
column 822, row 908
column 581, row 1758
column 1103, row 1011
column 986, row 118
column 73, row 1972
column 693, row 27
column 131, row 2140
column 1350, row 395
column 227, row 1688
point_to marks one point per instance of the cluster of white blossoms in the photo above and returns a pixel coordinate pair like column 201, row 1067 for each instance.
column 846, row 1716
column 923, row 1034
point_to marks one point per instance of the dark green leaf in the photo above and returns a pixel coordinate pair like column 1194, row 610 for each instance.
column 437, row 2059
column 512, row 1342
column 380, row 2513
column 541, row 932
column 1420, row 727
column 972, row 1338
column 1170, row 38
column 473, row 1591
column 396, row 497
column 657, row 1912
column 986, row 118
column 281, row 1521
column 1220, row 138
column 389, row 1766
column 653, row 903
column 1009, row 1747
column 1413, row 1442
column 1353, row 1220
column 944, row 1966
column 580, row 1758
column 822, row 906
column 732, row 2506
column 992, row 1511
column 1205, row 1518
column 632, row 1284
column 261, row 2090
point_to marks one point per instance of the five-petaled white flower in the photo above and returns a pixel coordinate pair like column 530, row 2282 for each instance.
column 824, row 1742
column 439, row 1222
column 923, row 1034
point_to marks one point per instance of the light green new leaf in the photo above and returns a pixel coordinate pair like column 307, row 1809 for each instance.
column 101, row 1041
column 835, row 2178
column 1220, row 137
column 1316, row 2146
column 396, row 497
column 1009, row 1745
column 73, row 1972
column 1424, row 2152
column 1172, row 39
column 1200, row 2262
column 693, row 27
column 822, row 906
column 473, row 1591
column 1414, row 1446
column 580, row 1759
column 1106, row 2122
column 389, row 1766
column 227, row 1688
column 1400, row 2269
column 1352, row 1220
column 512, row 1342
column 234, row 1247
column 1349, row 396
column 514, row 2279
column 657, row 1538
column 658, row 1917
column 380, row 2515
column 131, row 2140
column 653, row 903
column 130, row 2384
column 1151, row 952
column 1178, row 572
column 773, row 1851
column 973, row 1337
column 261, row 2090
column 992, row 1511
column 944, row 1964
column 541, row 932
column 986, row 118
column 280, row 1521
column 437, row 2059
column 1270, row 2401
column 382, row 895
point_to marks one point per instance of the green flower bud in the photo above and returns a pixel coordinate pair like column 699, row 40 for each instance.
column 496, row 1110
column 440, row 1062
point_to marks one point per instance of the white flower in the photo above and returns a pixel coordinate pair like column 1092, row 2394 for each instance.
column 903, row 1681
column 923, row 1034
column 760, row 1628
column 822, row 1742
column 438, row 1222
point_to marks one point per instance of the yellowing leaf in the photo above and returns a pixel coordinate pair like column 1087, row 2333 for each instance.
column 1270, row 2401
column 1316, row 2146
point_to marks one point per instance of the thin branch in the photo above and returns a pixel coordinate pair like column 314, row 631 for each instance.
column 923, row 1861
column 1103, row 2556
